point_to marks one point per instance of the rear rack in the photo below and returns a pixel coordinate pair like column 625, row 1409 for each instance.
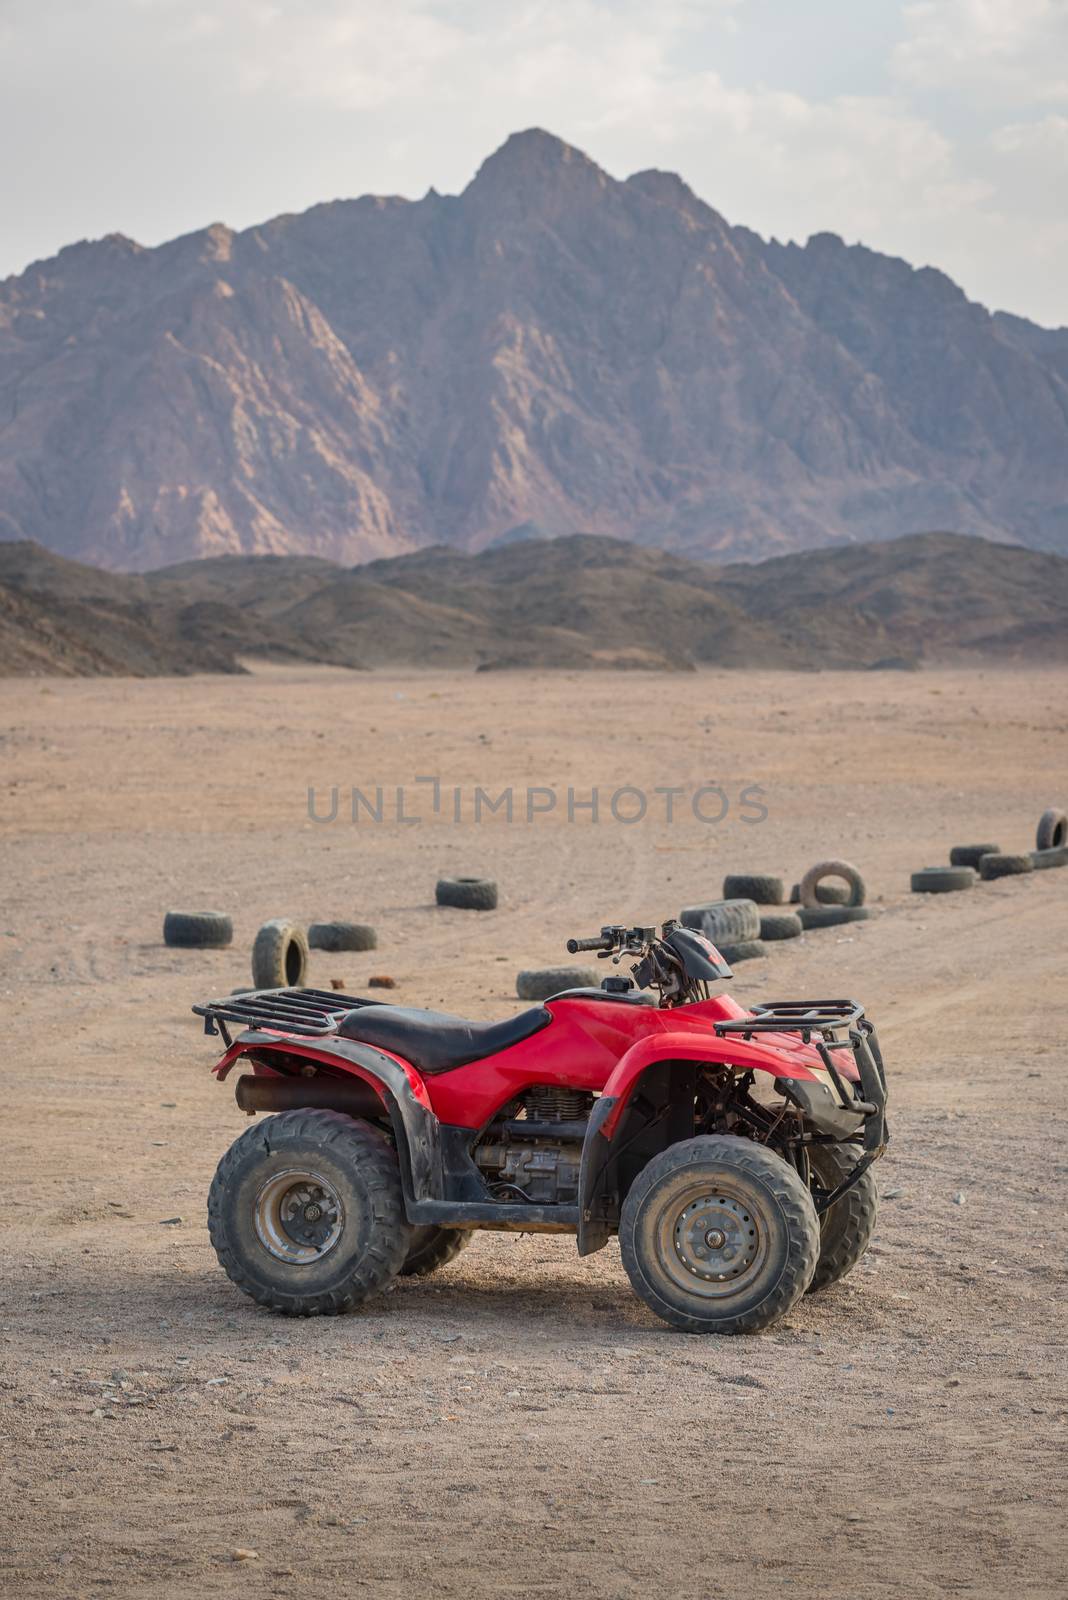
column 302, row 1011
column 827, row 1018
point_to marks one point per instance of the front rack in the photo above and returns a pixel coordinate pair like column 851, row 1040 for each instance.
column 827, row 1018
column 303, row 1011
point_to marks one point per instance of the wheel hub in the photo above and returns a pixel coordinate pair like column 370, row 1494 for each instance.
column 298, row 1217
column 716, row 1238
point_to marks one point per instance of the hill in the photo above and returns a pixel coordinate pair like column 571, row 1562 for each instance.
column 578, row 602
column 551, row 349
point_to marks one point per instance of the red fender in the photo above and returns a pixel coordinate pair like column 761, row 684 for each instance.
column 290, row 1046
column 788, row 1058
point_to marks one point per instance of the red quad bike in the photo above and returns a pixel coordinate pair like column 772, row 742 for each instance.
column 729, row 1149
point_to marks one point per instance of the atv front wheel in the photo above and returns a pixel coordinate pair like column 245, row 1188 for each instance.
column 431, row 1248
column 846, row 1229
column 306, row 1212
column 719, row 1235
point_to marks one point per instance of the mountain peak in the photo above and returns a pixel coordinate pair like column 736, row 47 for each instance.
column 531, row 161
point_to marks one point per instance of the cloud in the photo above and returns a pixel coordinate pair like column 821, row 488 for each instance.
column 158, row 116
column 998, row 50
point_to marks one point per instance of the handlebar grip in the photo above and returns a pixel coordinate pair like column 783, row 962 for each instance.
column 602, row 942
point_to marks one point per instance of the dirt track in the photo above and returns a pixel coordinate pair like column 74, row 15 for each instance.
column 521, row 1425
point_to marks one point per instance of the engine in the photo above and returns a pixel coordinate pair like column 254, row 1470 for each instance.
column 532, row 1153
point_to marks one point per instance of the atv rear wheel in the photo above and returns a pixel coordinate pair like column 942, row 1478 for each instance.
column 846, row 1229
column 431, row 1248
column 719, row 1235
column 306, row 1212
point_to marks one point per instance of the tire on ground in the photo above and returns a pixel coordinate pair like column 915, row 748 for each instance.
column 970, row 855
column 827, row 894
column 336, row 936
column 996, row 865
column 346, row 1164
column 765, row 1208
column 723, row 921
column 831, row 916
column 432, row 1247
column 766, row 891
column 1052, row 830
column 942, row 880
column 832, row 869
column 1057, row 857
column 280, row 955
column 467, row 894
column 744, row 950
column 540, row 983
column 198, row 930
column 846, row 1229
column 780, row 925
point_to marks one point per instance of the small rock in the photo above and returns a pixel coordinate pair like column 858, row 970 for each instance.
column 170, row 1222
column 960, row 1198
column 890, row 1194
column 337, row 983
column 381, row 980
column 953, row 1383
column 243, row 1554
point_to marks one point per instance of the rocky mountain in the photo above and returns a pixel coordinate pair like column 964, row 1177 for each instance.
column 551, row 347
column 580, row 602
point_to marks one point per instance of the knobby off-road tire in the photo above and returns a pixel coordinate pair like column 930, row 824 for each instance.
column 198, row 930
column 970, row 855
column 1052, row 830
column 832, row 869
column 780, row 925
column 337, row 936
column 766, row 891
column 431, row 1248
column 280, row 955
column 715, row 1188
column 942, row 880
column 996, row 865
column 723, row 921
column 467, row 894
column 262, row 1205
column 846, row 1229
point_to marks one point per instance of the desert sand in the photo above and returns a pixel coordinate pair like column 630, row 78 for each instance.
column 521, row 1424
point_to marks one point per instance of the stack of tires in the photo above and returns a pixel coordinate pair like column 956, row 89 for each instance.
column 825, row 904
column 732, row 924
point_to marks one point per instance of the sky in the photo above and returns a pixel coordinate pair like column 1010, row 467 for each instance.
column 936, row 130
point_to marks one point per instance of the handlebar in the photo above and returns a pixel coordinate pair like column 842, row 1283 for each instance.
column 603, row 941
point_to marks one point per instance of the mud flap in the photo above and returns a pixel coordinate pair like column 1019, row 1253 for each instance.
column 594, row 1231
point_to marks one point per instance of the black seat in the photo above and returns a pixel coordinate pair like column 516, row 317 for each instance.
column 434, row 1041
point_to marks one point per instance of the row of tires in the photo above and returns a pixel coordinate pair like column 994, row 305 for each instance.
column 214, row 930
column 970, row 863
column 281, row 948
